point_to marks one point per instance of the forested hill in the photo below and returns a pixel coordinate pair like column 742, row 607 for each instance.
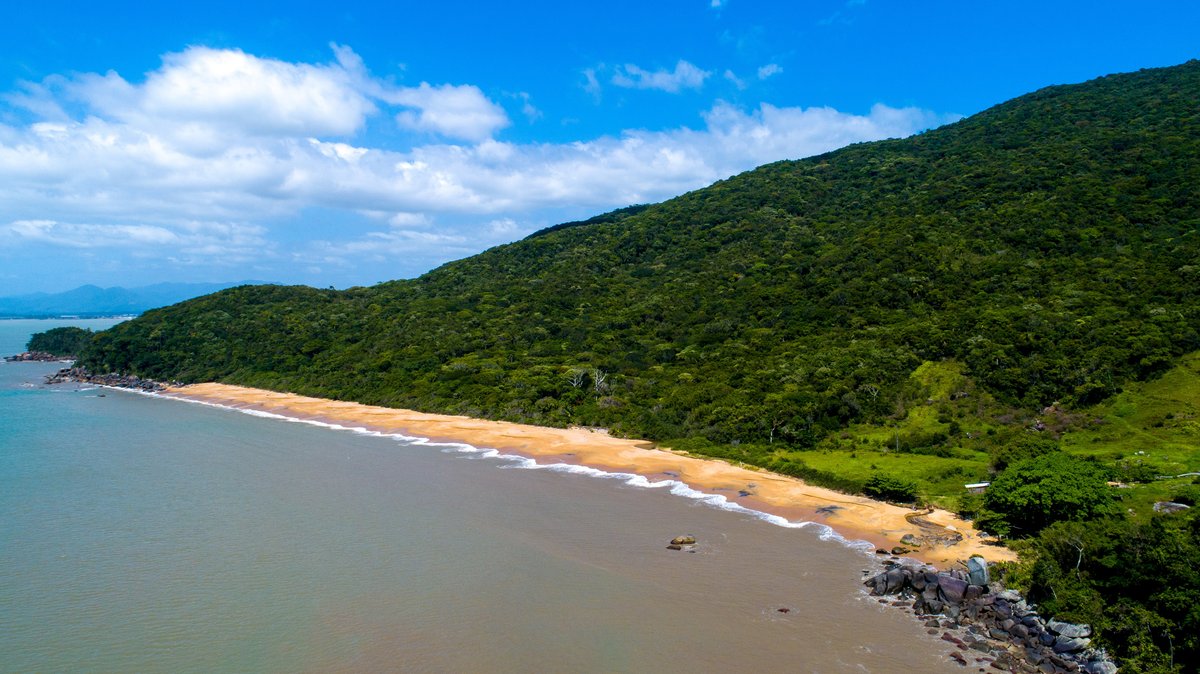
column 1048, row 246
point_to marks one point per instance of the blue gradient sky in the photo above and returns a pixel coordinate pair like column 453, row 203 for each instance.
column 302, row 142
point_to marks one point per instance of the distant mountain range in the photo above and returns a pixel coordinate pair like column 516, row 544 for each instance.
column 92, row 301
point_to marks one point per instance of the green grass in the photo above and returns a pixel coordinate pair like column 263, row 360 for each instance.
column 1154, row 424
column 943, row 429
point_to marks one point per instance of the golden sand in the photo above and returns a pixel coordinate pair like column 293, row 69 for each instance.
column 854, row 517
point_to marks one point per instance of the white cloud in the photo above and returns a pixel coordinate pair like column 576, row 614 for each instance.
column 769, row 70
column 591, row 83
column 685, row 76
column 532, row 114
column 197, row 242
column 460, row 111
column 201, row 96
column 737, row 81
column 206, row 159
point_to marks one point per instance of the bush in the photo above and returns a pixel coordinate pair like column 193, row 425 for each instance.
column 1032, row 494
column 887, row 488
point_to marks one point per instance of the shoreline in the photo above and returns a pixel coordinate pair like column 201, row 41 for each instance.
column 851, row 517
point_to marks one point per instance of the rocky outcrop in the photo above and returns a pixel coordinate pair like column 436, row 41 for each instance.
column 990, row 625
column 682, row 542
column 38, row 357
column 81, row 375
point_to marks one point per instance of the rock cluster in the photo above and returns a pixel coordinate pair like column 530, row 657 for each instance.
column 78, row 374
column 990, row 625
column 36, row 356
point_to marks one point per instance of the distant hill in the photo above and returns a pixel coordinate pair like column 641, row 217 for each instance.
column 90, row 300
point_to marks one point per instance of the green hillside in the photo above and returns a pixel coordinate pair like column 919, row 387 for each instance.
column 1014, row 295
column 1049, row 245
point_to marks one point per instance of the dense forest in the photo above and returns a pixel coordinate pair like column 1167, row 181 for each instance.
column 900, row 316
column 63, row 342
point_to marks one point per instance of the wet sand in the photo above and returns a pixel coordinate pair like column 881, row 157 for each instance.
column 854, row 517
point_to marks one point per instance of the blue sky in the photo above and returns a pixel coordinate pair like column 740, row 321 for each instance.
column 305, row 142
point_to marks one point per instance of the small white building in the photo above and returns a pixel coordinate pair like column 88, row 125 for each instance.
column 976, row 487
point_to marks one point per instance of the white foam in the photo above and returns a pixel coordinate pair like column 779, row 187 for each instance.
column 514, row 461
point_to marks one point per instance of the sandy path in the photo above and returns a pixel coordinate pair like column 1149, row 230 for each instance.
column 854, row 517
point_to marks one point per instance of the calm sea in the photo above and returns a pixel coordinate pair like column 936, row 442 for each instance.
column 140, row 534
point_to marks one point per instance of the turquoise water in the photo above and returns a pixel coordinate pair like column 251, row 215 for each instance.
column 140, row 534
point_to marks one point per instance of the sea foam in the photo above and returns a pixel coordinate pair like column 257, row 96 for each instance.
column 516, row 461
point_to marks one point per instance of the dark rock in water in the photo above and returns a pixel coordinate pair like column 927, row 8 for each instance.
column 977, row 571
column 881, row 551
column 784, row 610
column 981, row 646
column 959, row 658
column 683, row 540
column 899, row 550
column 674, row 547
column 1069, row 630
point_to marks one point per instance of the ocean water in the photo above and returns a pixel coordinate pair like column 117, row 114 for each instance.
column 141, row 534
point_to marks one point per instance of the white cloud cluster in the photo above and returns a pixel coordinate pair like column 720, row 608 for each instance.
column 685, row 76
column 217, row 147
column 453, row 111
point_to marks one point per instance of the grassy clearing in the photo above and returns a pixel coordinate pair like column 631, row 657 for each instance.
column 945, row 430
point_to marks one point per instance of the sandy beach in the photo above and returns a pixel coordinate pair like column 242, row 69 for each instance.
column 945, row 538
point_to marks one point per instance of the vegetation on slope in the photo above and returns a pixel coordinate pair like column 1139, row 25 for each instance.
column 902, row 316
column 66, row 341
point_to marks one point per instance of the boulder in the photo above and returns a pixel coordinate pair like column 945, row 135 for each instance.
column 1070, row 644
column 953, row 589
column 683, row 540
column 1101, row 667
column 977, row 571
column 1070, row 630
column 910, row 540
column 1169, row 507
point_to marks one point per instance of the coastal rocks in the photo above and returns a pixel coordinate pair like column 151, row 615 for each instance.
column 995, row 626
column 37, row 357
column 81, row 375
column 977, row 571
column 1070, row 630
column 682, row 542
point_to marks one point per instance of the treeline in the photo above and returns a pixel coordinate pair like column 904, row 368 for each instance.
column 1049, row 243
column 67, row 341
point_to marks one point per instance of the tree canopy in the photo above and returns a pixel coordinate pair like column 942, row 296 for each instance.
column 67, row 341
column 1031, row 494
